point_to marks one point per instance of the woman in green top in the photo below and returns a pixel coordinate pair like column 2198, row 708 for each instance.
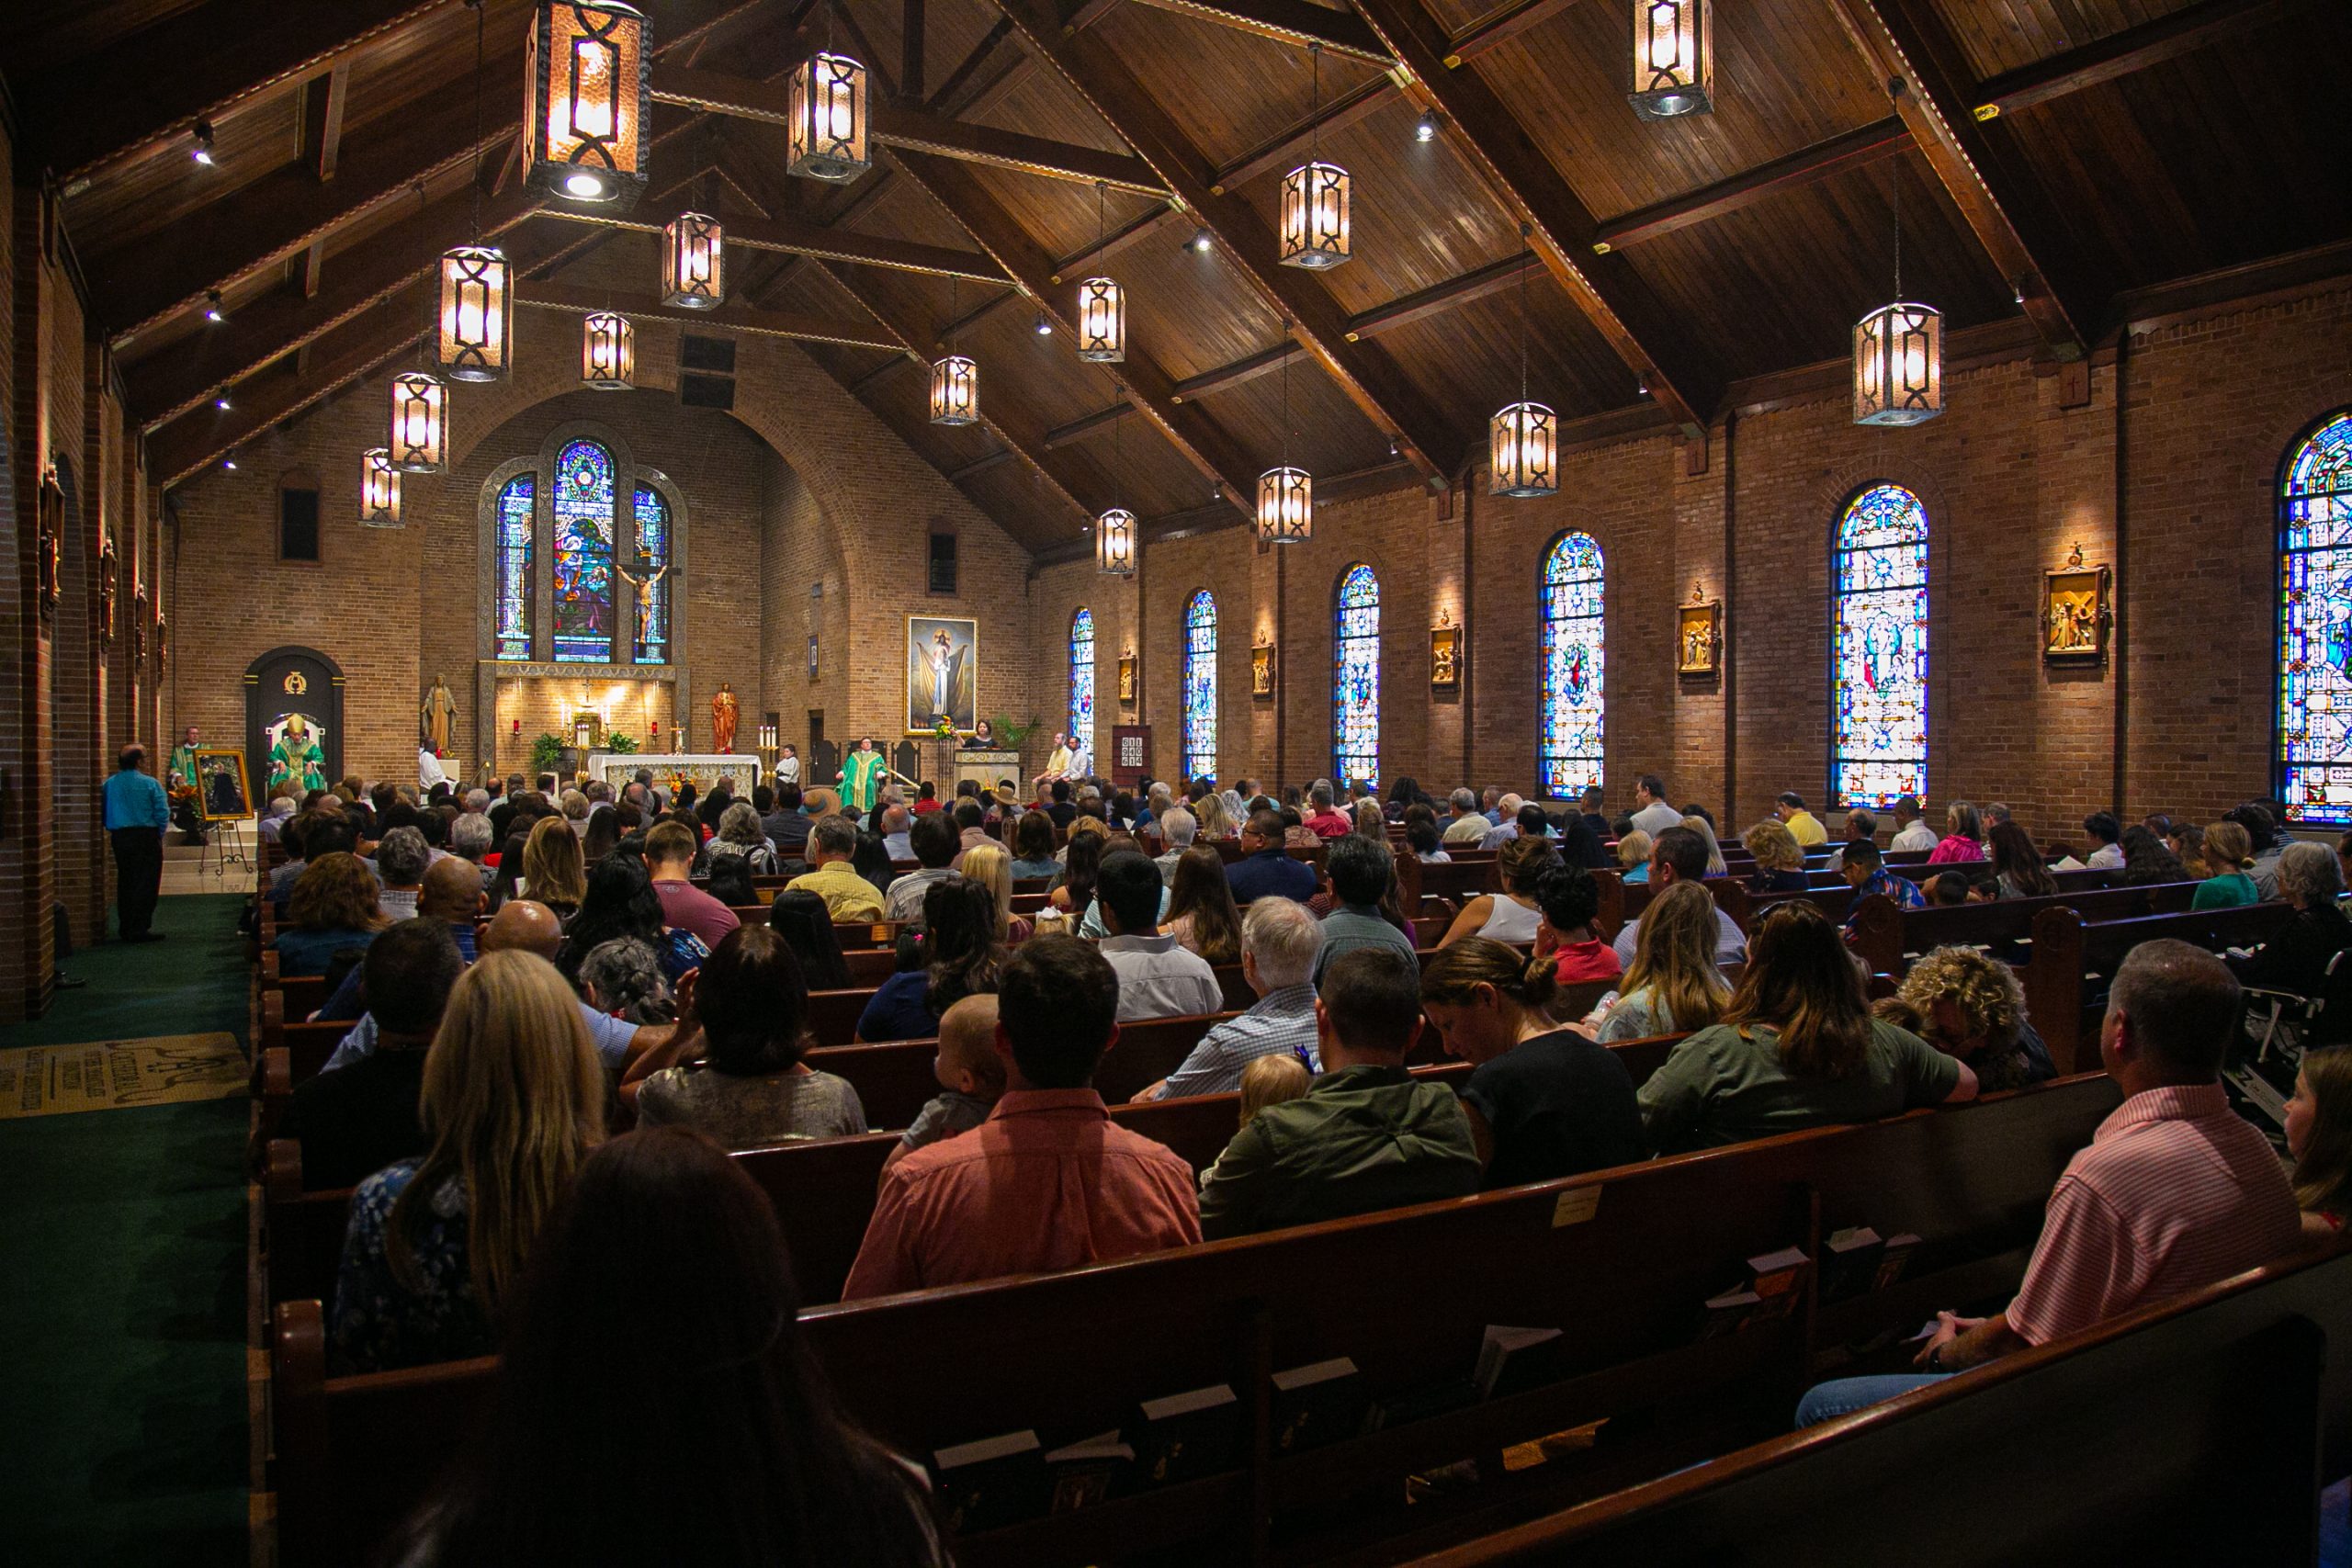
column 2228, row 852
column 1797, row 1048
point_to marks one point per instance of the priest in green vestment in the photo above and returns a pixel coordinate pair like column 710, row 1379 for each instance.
column 296, row 757
column 861, row 776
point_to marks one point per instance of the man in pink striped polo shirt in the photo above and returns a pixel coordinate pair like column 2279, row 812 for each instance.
column 2175, row 1192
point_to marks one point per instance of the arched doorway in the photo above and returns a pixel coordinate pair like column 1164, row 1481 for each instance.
column 293, row 719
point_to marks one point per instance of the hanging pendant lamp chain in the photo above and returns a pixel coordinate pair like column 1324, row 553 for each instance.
column 1315, row 103
column 1286, row 348
column 481, row 17
column 1527, row 265
column 1898, row 235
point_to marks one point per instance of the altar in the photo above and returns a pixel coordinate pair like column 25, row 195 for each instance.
column 988, row 767
column 671, row 769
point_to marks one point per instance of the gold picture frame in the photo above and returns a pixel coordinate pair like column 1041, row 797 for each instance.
column 1262, row 670
column 1128, row 679
column 1445, row 654
column 223, row 793
column 932, row 674
column 1699, row 635
column 2076, row 612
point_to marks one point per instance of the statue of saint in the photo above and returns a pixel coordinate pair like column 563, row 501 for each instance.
column 440, row 712
column 722, row 718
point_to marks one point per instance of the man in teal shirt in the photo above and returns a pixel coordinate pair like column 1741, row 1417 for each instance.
column 137, row 813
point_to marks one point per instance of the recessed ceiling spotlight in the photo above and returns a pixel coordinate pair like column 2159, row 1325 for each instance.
column 1201, row 241
column 220, row 399
column 1425, row 128
column 1044, row 328
column 213, row 311
column 229, row 458
column 202, row 151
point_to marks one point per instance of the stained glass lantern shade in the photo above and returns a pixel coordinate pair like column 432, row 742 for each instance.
column 1315, row 216
column 1899, row 365
column 954, row 391
column 1524, row 445
column 694, row 262
column 1114, row 543
column 1674, row 58
column 379, row 490
column 587, row 66
column 477, row 325
column 608, row 353
column 1286, row 506
column 419, row 443
column 1101, row 321
column 828, row 108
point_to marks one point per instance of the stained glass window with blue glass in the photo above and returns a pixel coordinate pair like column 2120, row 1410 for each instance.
column 652, row 567
column 1879, row 654
column 514, row 556
column 1355, row 680
column 1200, row 687
column 583, row 554
column 2315, row 627
column 1567, row 749
column 1082, row 680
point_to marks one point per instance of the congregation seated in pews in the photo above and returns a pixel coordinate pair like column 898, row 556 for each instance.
column 1217, row 1112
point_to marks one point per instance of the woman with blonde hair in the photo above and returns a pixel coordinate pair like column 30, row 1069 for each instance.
column 1512, row 915
column 1971, row 1005
column 1797, row 1048
column 2319, row 1139
column 2229, row 850
column 554, row 873
column 513, row 1100
column 1216, row 819
column 333, row 908
column 1706, row 829
column 989, row 865
column 1633, row 857
column 1674, row 984
column 1544, row 1102
column 1779, row 860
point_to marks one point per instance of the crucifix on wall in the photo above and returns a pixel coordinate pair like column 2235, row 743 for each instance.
column 642, row 583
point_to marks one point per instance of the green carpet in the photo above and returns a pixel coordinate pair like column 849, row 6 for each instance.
column 122, row 1291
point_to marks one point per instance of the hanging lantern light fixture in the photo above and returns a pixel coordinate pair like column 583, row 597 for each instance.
column 1285, row 494
column 1102, row 305
column 379, row 490
column 955, row 380
column 420, row 427
column 828, row 108
column 1315, row 195
column 1116, row 532
column 694, row 262
column 1674, row 58
column 1899, row 352
column 1524, row 440
column 608, row 353
column 476, row 331
column 588, row 65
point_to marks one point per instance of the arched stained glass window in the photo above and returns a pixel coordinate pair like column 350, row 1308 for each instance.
column 2315, row 627
column 1568, row 750
column 1355, row 677
column 1878, row 675
column 1200, row 687
column 652, row 567
column 583, row 554
column 513, row 524
column 1082, row 680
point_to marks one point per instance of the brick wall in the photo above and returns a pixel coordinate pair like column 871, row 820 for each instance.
column 799, row 485
column 2012, row 479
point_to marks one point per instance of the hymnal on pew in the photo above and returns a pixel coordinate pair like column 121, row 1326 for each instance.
column 1512, row 1360
column 1089, row 1471
column 1775, row 1285
column 991, row 1482
column 1317, row 1404
column 1849, row 1260
column 1187, row 1435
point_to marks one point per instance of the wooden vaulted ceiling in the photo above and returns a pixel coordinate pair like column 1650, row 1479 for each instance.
column 2056, row 160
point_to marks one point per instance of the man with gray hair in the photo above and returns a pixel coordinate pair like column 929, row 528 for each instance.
column 1180, row 828
column 477, row 801
column 1280, row 942
column 849, row 896
column 1860, row 824
column 1322, row 818
column 897, row 822
column 1508, row 830
column 2173, row 1193
column 1469, row 824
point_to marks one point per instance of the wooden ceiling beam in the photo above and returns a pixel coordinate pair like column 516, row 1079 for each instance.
column 799, row 237
column 1612, row 296
column 1286, row 22
column 286, row 211
column 731, row 317
column 1500, row 27
column 1136, row 230
column 1281, row 150
column 1202, row 442
column 202, row 64
column 1394, row 406
column 1265, row 362
column 2120, row 54
column 1903, row 41
column 1856, row 149
column 897, row 125
column 910, row 50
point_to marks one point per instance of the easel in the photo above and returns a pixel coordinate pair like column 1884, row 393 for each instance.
column 223, row 847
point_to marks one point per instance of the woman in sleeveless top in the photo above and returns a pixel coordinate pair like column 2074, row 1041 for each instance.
column 1511, row 915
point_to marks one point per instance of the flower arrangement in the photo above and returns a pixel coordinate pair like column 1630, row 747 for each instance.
column 546, row 749
column 943, row 729
column 624, row 745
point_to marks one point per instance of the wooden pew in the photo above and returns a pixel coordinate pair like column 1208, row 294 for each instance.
column 1887, row 937
column 1585, row 1254
column 2072, row 961
column 2215, row 1395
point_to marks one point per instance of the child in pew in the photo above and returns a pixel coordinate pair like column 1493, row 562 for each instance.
column 1948, row 890
column 970, row 1075
column 1271, row 1081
